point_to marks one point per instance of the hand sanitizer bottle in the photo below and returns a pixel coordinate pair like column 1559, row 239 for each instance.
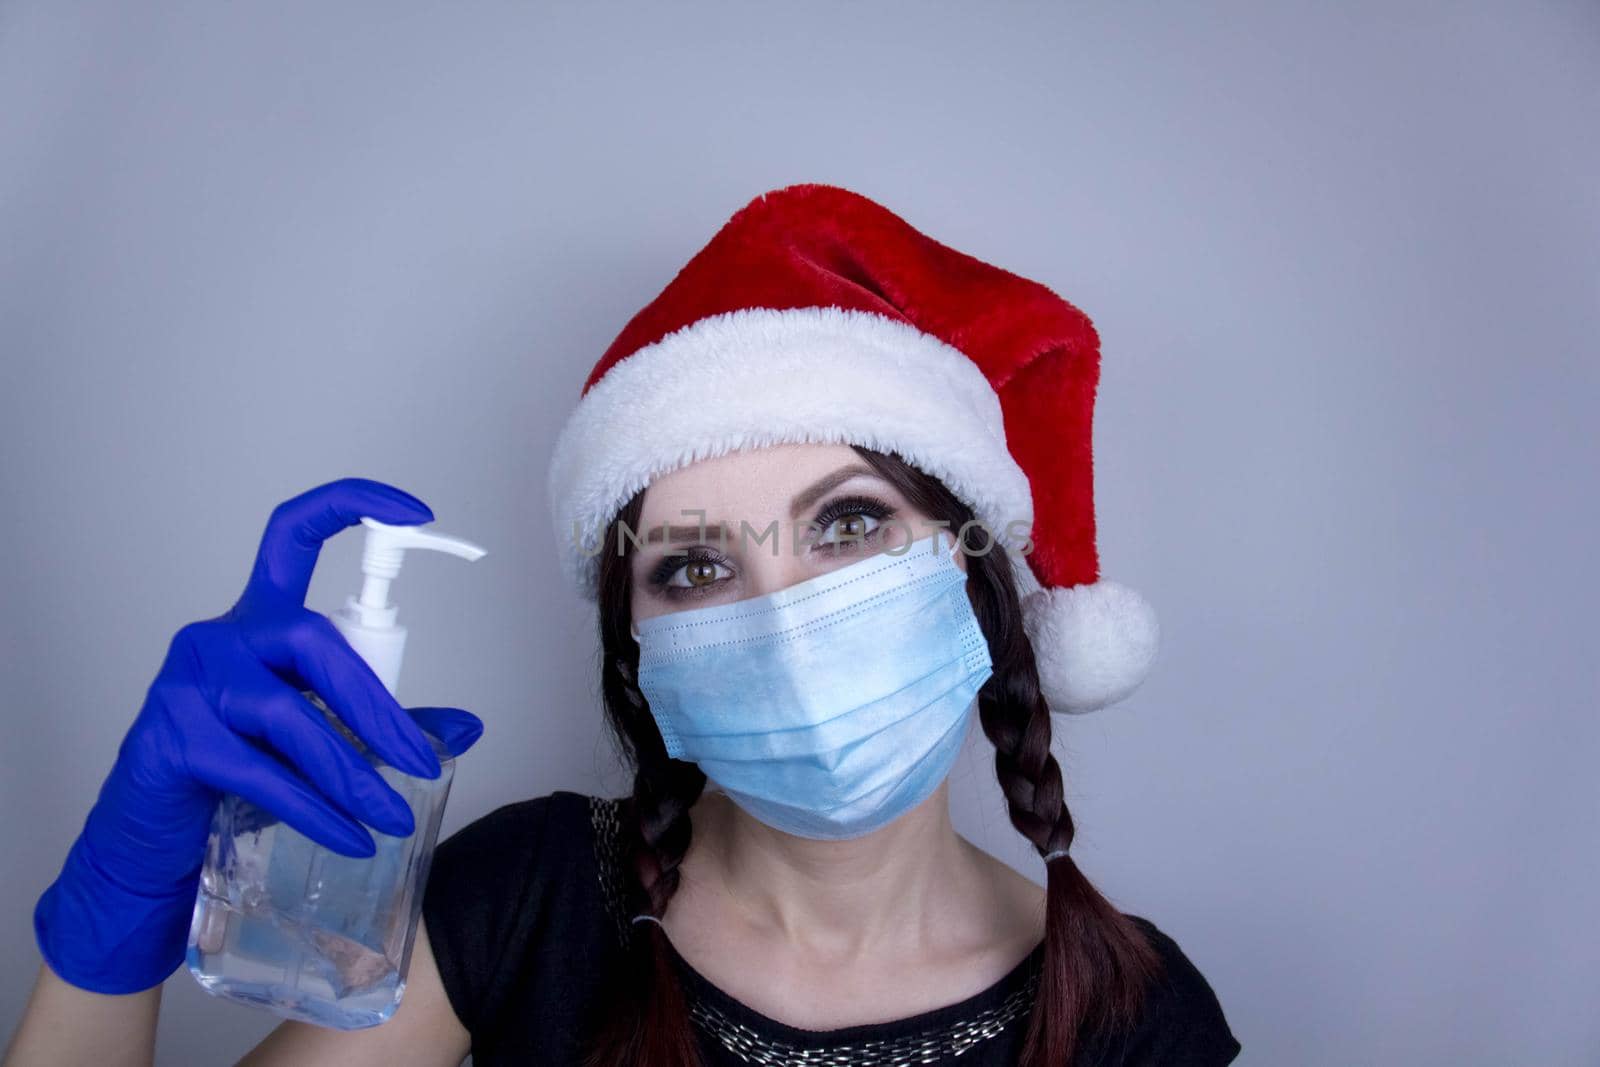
column 284, row 923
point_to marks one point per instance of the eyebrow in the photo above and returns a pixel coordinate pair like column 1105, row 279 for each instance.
column 802, row 500
column 712, row 531
column 805, row 498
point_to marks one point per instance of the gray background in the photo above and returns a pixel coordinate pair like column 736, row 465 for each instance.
column 1345, row 268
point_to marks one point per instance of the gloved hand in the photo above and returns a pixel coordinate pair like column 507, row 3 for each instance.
column 225, row 714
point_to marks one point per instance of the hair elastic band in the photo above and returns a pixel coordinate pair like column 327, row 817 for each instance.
column 643, row 917
column 1054, row 854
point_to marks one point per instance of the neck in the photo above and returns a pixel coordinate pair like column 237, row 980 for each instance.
column 891, row 891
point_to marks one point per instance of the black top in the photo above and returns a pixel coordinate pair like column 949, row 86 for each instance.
column 524, row 912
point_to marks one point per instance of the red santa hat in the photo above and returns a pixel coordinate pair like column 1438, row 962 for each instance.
column 817, row 315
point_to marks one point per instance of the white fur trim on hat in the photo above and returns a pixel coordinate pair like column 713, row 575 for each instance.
column 758, row 377
column 1094, row 643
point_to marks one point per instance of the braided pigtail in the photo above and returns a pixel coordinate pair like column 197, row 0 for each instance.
column 1097, row 963
column 647, row 1025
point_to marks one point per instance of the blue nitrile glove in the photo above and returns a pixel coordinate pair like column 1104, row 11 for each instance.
column 225, row 706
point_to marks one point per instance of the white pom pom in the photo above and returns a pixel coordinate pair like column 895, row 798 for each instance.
column 1094, row 643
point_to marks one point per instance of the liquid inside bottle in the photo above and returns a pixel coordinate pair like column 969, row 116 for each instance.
column 284, row 923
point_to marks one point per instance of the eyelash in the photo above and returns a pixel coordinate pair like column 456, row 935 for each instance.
column 835, row 510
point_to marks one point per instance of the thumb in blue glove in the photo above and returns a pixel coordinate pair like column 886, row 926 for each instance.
column 225, row 714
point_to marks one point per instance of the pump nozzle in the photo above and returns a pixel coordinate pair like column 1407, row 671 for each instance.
column 368, row 621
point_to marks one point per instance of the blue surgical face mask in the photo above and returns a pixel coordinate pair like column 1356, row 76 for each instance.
column 832, row 707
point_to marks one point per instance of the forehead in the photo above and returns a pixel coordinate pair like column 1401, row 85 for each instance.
column 749, row 483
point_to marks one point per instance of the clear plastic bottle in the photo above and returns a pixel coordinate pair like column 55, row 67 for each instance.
column 284, row 923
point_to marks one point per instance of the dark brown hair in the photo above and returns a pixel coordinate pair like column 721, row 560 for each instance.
column 1097, row 962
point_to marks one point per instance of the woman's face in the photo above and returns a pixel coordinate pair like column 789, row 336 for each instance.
column 772, row 517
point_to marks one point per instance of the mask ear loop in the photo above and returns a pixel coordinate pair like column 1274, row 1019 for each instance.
column 955, row 542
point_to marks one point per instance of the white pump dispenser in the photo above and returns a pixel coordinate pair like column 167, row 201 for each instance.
column 368, row 621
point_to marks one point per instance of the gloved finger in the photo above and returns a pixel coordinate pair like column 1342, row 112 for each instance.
column 228, row 763
column 338, row 674
column 456, row 728
column 298, row 526
column 259, row 705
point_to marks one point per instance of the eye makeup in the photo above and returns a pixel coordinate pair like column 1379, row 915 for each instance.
column 660, row 577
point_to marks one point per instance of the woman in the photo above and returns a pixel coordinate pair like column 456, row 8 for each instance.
column 831, row 494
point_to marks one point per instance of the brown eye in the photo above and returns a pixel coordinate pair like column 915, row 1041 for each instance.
column 851, row 527
column 698, row 572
